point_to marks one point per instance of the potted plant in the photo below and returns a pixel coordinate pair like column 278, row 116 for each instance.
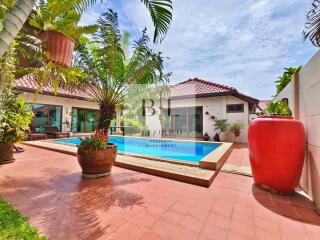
column 222, row 126
column 14, row 125
column 57, row 26
column 236, row 128
column 276, row 149
column 110, row 74
column 96, row 156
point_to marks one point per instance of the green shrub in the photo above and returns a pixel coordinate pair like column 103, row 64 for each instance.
column 279, row 108
column 14, row 124
column 286, row 78
column 13, row 226
column 221, row 125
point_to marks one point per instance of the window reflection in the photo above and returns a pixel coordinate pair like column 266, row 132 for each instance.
column 46, row 118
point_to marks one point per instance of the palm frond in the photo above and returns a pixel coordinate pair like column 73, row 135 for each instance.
column 161, row 15
column 312, row 25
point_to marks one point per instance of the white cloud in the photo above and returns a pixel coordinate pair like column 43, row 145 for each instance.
column 242, row 43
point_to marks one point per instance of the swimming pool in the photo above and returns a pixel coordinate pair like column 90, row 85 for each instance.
column 188, row 151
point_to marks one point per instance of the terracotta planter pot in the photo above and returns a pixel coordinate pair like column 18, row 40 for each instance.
column 223, row 136
column 59, row 46
column 98, row 163
column 276, row 149
column 237, row 133
column 6, row 153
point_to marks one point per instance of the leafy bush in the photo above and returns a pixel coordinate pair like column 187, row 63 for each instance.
column 286, row 78
column 236, row 127
column 14, row 226
column 99, row 140
column 221, row 125
column 14, row 124
column 279, row 108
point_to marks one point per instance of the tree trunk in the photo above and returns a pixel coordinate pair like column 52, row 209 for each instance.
column 107, row 114
column 14, row 22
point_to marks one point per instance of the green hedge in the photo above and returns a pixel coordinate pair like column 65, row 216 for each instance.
column 13, row 226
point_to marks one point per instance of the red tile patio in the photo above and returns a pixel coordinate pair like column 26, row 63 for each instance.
column 48, row 188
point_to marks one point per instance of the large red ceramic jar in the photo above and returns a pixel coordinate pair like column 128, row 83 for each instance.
column 276, row 149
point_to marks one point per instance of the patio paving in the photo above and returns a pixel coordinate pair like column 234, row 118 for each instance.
column 48, row 188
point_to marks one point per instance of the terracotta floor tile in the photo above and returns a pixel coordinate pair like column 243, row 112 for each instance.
column 213, row 232
column 234, row 236
column 144, row 219
column 265, row 234
column 198, row 213
column 192, row 223
column 182, row 233
column 242, row 229
column 130, row 230
column 150, row 236
column 114, row 236
column 163, row 228
column 173, row 217
column 131, row 205
column 218, row 221
column 271, row 226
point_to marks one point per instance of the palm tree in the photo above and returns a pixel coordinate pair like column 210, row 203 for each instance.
column 160, row 12
column 312, row 26
column 112, row 74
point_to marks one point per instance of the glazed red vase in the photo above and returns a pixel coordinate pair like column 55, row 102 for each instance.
column 59, row 46
column 276, row 149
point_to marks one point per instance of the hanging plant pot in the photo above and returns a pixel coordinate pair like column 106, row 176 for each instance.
column 59, row 46
column 276, row 149
column 97, row 163
column 6, row 153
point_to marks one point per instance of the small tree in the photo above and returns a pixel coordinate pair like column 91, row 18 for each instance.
column 111, row 72
column 221, row 125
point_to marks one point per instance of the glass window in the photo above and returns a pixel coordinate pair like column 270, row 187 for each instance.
column 84, row 120
column 235, row 108
column 46, row 117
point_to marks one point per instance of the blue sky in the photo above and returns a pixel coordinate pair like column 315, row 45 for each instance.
column 240, row 43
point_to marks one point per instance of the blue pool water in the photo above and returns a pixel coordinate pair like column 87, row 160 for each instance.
column 177, row 150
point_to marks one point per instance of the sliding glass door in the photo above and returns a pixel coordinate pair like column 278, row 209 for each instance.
column 46, row 118
column 184, row 122
column 84, row 120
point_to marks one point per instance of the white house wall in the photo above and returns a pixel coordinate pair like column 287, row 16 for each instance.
column 66, row 103
column 216, row 106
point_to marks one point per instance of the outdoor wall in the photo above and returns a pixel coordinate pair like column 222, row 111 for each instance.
column 215, row 106
column 309, row 108
column 303, row 93
column 66, row 103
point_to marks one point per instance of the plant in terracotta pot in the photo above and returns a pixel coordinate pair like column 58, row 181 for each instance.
column 222, row 126
column 14, row 125
column 276, row 149
column 57, row 25
column 236, row 128
column 96, row 156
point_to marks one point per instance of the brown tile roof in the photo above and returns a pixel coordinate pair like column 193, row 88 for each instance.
column 197, row 86
column 190, row 88
column 200, row 88
column 28, row 84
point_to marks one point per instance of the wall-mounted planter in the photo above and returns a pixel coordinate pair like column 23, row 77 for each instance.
column 59, row 47
column 276, row 149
